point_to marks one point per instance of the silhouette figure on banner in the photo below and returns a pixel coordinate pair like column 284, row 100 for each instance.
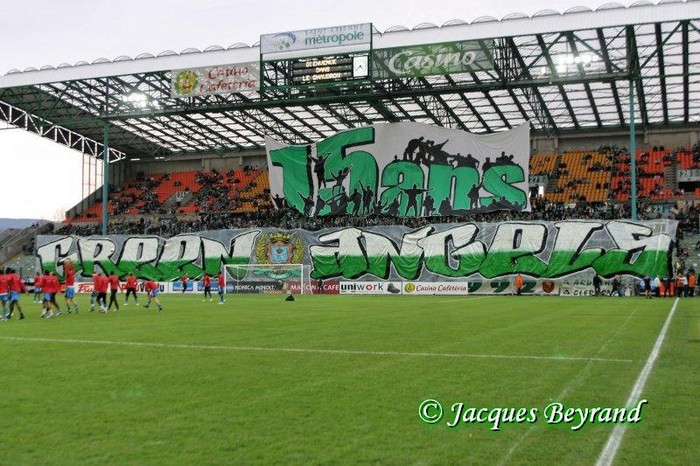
column 468, row 161
column 473, row 196
column 308, row 204
column 367, row 199
column 504, row 159
column 445, row 207
column 356, row 199
column 392, row 209
column 428, row 205
column 339, row 177
column 412, row 194
column 320, row 205
column 338, row 203
column 436, row 154
column 279, row 201
column 411, row 147
column 319, row 167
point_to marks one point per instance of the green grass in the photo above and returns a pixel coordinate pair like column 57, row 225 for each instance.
column 84, row 402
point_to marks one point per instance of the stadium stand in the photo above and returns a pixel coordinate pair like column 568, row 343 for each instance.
column 189, row 192
column 585, row 178
column 582, row 176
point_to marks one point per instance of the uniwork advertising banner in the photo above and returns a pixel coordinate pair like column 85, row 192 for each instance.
column 388, row 260
column 222, row 79
column 403, row 170
column 336, row 36
column 375, row 287
column 432, row 59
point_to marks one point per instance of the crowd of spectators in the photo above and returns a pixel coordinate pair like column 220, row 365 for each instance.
column 213, row 196
column 222, row 200
column 170, row 225
column 141, row 192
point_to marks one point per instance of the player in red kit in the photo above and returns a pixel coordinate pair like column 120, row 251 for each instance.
column 206, row 282
column 183, row 281
column 16, row 287
column 131, row 286
column 4, row 292
column 69, row 274
column 220, row 282
column 152, row 292
column 37, row 288
column 101, row 284
column 51, row 286
column 114, row 289
column 93, row 295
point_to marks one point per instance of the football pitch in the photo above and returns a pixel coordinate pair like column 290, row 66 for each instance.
column 340, row 379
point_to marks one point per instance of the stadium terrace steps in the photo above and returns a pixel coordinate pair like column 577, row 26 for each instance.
column 543, row 164
column 583, row 176
column 651, row 169
column 24, row 265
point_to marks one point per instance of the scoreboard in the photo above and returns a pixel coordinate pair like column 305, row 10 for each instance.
column 329, row 69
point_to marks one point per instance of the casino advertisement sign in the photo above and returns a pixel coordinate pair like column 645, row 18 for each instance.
column 433, row 59
column 220, row 79
column 486, row 257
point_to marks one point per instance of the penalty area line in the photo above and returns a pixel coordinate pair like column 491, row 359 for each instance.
column 607, row 456
column 310, row 350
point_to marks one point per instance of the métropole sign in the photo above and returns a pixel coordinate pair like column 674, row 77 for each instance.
column 220, row 79
column 336, row 36
column 432, row 59
column 402, row 170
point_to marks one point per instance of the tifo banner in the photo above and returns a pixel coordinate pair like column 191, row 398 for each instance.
column 402, row 170
column 432, row 59
column 222, row 79
column 336, row 36
column 439, row 259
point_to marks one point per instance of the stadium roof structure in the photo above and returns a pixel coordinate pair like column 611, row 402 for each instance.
column 564, row 73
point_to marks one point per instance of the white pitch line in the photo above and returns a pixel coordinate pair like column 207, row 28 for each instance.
column 580, row 376
column 310, row 350
column 607, row 456
column 463, row 298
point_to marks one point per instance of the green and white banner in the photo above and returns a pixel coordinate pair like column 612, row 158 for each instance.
column 222, row 79
column 402, row 170
column 432, row 59
column 482, row 256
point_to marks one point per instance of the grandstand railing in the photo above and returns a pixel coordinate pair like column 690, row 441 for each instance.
column 85, row 204
column 15, row 245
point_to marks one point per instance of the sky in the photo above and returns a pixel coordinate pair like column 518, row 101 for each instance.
column 42, row 179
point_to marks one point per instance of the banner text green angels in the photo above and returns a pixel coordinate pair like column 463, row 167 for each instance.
column 432, row 253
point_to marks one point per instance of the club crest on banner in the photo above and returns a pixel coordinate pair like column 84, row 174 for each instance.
column 186, row 82
column 281, row 249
